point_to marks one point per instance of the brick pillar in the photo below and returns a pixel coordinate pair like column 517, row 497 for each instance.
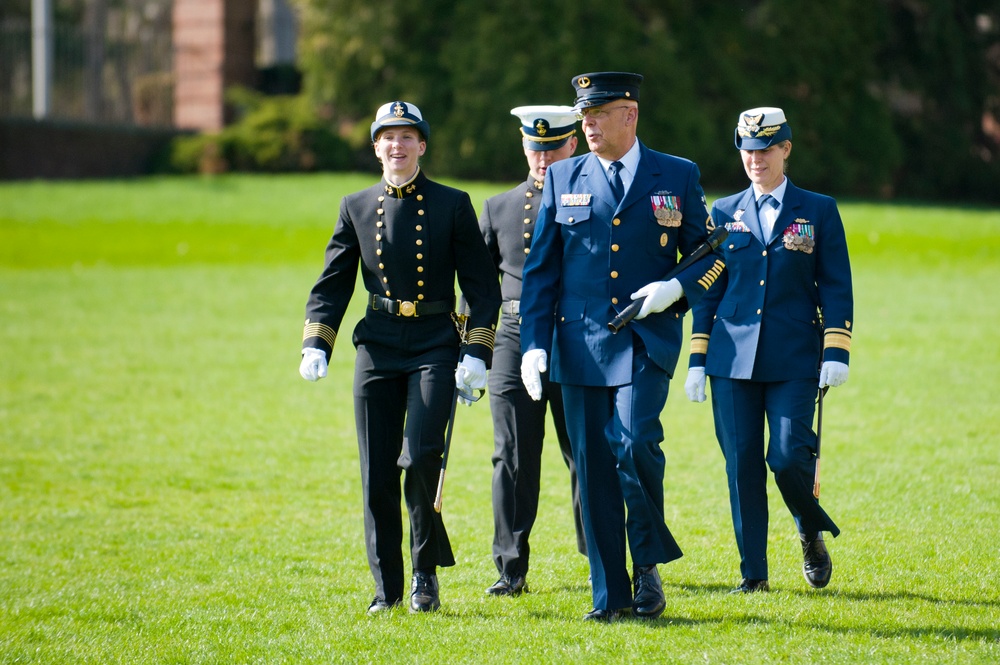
column 213, row 49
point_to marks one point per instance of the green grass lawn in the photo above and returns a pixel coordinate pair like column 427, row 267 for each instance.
column 172, row 491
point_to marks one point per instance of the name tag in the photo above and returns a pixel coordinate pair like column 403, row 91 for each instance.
column 575, row 199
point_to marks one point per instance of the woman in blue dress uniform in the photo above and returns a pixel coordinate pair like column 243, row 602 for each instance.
column 774, row 328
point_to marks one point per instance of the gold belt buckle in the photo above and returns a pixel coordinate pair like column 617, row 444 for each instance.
column 407, row 308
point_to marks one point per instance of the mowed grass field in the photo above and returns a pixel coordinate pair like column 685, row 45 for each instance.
column 171, row 491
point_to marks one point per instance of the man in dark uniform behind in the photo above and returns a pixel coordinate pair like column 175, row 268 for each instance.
column 508, row 223
column 411, row 237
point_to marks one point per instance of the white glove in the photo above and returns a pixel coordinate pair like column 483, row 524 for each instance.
column 694, row 386
column 313, row 366
column 659, row 296
column 533, row 363
column 833, row 374
column 470, row 375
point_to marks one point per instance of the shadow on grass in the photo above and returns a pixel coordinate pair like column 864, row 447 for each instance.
column 840, row 594
column 952, row 633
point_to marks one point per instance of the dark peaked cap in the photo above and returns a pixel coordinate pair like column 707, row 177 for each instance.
column 599, row 88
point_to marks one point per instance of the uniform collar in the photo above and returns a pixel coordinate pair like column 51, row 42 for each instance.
column 408, row 188
column 535, row 184
column 630, row 162
column 778, row 193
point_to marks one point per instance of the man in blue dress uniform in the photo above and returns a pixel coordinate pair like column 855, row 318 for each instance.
column 508, row 225
column 610, row 229
column 776, row 326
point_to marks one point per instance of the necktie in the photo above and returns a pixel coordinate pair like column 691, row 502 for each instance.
column 617, row 187
column 767, row 208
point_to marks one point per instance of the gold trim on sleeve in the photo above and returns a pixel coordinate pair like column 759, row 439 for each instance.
column 324, row 332
column 837, row 338
column 712, row 274
column 699, row 343
column 483, row 336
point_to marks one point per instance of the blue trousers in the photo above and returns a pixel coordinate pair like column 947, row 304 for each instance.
column 740, row 409
column 616, row 434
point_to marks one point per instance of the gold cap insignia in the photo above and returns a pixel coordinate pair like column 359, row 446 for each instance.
column 583, row 82
column 542, row 127
column 398, row 110
column 752, row 122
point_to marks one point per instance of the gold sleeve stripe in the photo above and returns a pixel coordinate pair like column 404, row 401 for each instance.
column 712, row 274
column 324, row 332
column 837, row 339
column 483, row 336
column 699, row 343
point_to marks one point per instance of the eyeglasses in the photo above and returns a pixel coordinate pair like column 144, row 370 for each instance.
column 597, row 113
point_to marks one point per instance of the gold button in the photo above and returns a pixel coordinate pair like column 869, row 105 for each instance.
column 419, row 241
column 381, row 198
column 381, row 266
column 764, row 253
column 616, row 221
column 378, row 236
column 420, row 212
column 388, row 293
column 420, row 257
column 385, row 280
column 570, row 220
column 378, row 223
column 527, row 249
column 420, row 282
column 381, row 212
column 527, row 235
column 528, row 194
column 758, row 311
column 562, row 318
column 419, row 227
column 420, row 296
column 762, row 282
column 420, row 197
column 614, row 248
column 527, row 220
column 379, row 252
column 731, row 246
column 420, row 268
column 527, row 206
column 614, row 301
column 614, row 274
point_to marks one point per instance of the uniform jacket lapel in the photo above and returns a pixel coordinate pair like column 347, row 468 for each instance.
column 648, row 175
column 750, row 218
column 595, row 180
column 789, row 205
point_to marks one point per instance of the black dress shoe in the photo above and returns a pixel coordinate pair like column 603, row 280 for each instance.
column 647, row 601
column 381, row 606
column 424, row 593
column 816, row 564
column 509, row 585
column 602, row 616
column 751, row 586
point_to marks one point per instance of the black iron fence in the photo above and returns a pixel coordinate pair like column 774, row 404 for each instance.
column 117, row 73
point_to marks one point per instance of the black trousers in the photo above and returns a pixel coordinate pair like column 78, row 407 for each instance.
column 518, row 433
column 402, row 403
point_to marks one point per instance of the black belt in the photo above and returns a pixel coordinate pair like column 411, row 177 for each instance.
column 512, row 307
column 410, row 309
